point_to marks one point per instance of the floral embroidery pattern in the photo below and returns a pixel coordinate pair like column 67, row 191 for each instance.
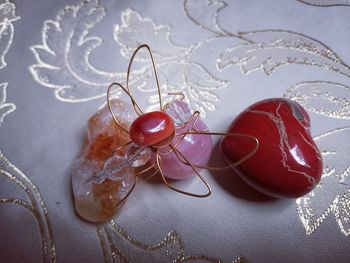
column 64, row 59
column 115, row 240
column 7, row 17
column 33, row 203
column 332, row 195
column 322, row 97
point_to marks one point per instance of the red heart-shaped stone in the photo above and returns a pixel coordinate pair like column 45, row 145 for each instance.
column 287, row 162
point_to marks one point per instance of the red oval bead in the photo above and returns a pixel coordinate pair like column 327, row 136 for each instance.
column 152, row 129
column 287, row 163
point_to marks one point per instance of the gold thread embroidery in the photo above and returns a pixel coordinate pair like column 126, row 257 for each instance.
column 206, row 14
column 36, row 206
column 102, row 240
column 266, row 51
column 326, row 3
column 334, row 186
column 5, row 108
column 20, row 202
column 84, row 82
column 322, row 97
column 172, row 243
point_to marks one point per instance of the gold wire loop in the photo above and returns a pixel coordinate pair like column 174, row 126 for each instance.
column 179, row 93
column 110, row 106
column 137, row 109
column 146, row 170
column 195, row 115
column 155, row 74
column 127, row 195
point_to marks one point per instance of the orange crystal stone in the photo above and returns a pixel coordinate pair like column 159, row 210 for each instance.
column 99, row 201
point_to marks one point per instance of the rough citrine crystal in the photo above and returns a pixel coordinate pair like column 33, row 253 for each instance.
column 101, row 179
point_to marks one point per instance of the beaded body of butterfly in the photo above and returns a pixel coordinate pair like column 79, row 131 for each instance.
column 122, row 144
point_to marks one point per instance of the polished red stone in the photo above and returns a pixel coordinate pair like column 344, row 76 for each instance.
column 152, row 129
column 287, row 163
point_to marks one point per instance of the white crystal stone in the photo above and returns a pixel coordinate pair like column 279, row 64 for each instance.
column 179, row 111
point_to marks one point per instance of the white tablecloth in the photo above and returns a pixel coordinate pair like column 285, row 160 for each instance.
column 56, row 60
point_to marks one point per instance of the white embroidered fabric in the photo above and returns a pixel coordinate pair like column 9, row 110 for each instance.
column 57, row 59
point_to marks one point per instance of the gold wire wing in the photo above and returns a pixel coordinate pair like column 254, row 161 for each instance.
column 158, row 161
column 155, row 74
column 127, row 90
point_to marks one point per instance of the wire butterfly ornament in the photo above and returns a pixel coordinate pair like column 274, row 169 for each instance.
column 152, row 145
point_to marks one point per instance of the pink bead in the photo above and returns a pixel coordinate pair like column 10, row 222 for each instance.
column 197, row 148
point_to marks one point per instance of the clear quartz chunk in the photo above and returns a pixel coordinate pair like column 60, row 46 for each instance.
column 179, row 111
column 118, row 167
column 139, row 156
column 101, row 178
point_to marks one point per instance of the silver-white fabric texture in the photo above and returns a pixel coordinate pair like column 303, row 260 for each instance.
column 57, row 59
